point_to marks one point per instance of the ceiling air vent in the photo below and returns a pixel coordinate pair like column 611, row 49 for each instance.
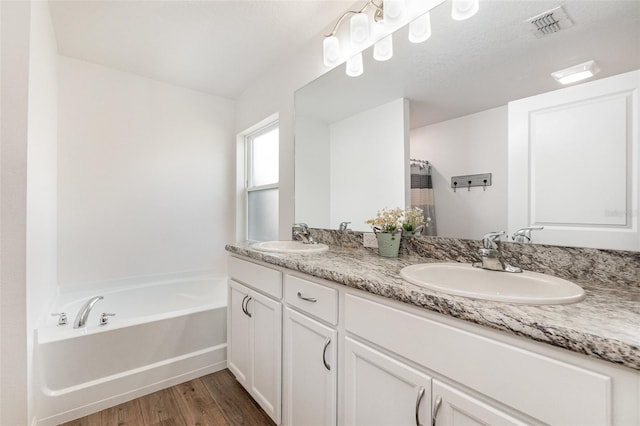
column 550, row 22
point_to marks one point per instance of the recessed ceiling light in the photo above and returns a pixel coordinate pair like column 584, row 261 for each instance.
column 576, row 73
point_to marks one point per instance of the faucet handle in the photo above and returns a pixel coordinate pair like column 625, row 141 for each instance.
column 299, row 227
column 490, row 240
column 104, row 318
column 523, row 235
column 344, row 226
column 62, row 318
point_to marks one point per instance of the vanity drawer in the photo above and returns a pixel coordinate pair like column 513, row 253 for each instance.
column 314, row 299
column 542, row 387
column 261, row 278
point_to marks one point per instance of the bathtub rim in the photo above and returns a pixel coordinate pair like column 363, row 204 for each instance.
column 48, row 333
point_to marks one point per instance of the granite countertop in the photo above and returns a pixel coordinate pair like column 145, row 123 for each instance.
column 605, row 325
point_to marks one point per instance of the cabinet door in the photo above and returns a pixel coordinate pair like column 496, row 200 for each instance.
column 380, row 390
column 266, row 348
column 238, row 350
column 452, row 407
column 310, row 371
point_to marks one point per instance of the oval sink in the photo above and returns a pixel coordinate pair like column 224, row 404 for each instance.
column 289, row 247
column 464, row 280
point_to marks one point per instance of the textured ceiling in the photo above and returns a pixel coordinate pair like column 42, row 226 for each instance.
column 215, row 46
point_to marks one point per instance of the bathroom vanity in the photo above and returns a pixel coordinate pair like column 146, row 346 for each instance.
column 339, row 338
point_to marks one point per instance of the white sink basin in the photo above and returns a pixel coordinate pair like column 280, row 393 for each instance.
column 464, row 280
column 289, row 247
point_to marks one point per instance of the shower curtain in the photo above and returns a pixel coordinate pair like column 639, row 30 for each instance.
column 422, row 193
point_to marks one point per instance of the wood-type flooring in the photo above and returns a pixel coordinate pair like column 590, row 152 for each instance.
column 215, row 399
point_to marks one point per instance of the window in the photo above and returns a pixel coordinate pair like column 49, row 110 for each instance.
column 262, row 176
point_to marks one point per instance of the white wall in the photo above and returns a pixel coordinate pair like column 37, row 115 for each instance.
column 368, row 164
column 473, row 144
column 41, row 175
column 274, row 93
column 145, row 178
column 14, row 73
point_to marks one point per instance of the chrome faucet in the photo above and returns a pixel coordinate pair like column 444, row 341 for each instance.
column 523, row 235
column 300, row 232
column 344, row 226
column 83, row 314
column 491, row 254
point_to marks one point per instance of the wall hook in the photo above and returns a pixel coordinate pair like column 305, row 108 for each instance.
column 482, row 179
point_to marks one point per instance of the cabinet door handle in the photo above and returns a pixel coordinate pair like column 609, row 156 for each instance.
column 246, row 306
column 308, row 299
column 418, row 402
column 324, row 354
column 244, row 299
column 243, row 302
column 436, row 408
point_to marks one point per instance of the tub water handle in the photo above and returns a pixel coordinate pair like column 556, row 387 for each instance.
column 62, row 318
column 104, row 318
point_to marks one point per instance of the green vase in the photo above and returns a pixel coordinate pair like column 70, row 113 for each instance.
column 388, row 244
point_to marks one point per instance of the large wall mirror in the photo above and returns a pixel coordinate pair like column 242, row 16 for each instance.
column 446, row 101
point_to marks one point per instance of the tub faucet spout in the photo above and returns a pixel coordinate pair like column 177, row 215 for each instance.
column 83, row 314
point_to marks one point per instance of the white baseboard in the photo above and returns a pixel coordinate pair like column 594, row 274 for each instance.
column 127, row 396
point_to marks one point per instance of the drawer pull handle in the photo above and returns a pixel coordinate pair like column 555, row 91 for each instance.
column 436, row 408
column 418, row 402
column 308, row 299
column 324, row 354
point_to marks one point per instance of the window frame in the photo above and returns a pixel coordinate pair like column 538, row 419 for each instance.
column 244, row 185
column 248, row 141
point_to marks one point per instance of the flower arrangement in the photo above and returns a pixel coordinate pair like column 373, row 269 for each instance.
column 387, row 220
column 414, row 219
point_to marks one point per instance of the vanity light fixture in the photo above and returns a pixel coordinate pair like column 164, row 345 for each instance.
column 359, row 30
column 375, row 23
column 331, row 51
column 420, row 29
column 354, row 65
column 464, row 9
column 576, row 73
column 393, row 10
column 383, row 49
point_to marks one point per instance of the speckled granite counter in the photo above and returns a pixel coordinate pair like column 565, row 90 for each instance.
column 606, row 325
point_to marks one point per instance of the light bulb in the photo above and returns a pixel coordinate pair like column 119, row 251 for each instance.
column 383, row 49
column 393, row 10
column 354, row 65
column 331, row 51
column 464, row 9
column 359, row 30
column 420, row 29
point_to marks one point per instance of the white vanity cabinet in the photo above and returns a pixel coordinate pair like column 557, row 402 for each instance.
column 254, row 349
column 342, row 356
column 479, row 377
column 310, row 353
column 380, row 390
column 454, row 407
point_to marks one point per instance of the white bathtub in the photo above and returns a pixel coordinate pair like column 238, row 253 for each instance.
column 161, row 335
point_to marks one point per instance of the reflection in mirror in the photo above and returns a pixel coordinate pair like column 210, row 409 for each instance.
column 458, row 85
column 352, row 165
